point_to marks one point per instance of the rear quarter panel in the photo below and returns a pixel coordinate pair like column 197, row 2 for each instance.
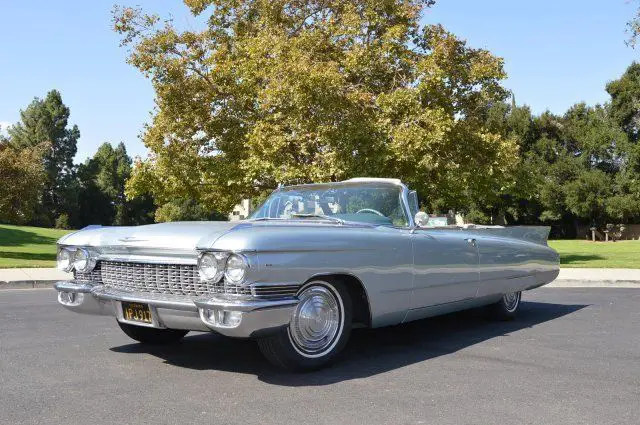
column 510, row 264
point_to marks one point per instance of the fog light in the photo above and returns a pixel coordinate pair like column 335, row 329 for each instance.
column 70, row 298
column 223, row 318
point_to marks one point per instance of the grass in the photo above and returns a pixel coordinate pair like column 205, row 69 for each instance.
column 24, row 246
column 586, row 254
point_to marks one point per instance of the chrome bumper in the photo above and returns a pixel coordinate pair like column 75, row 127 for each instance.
column 228, row 316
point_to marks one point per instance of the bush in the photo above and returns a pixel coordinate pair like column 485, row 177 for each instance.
column 186, row 210
column 62, row 222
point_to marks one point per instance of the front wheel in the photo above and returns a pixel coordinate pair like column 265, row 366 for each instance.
column 152, row 336
column 319, row 329
column 507, row 307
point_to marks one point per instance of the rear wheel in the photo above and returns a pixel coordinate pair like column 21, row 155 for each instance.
column 319, row 329
column 507, row 307
column 152, row 336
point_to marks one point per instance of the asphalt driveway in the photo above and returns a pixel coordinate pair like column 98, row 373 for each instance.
column 572, row 357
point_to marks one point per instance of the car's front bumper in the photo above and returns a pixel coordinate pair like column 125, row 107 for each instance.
column 242, row 318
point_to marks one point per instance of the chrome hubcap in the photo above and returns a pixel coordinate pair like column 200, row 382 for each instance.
column 511, row 301
column 317, row 321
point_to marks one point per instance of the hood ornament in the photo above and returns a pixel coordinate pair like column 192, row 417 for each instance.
column 131, row 239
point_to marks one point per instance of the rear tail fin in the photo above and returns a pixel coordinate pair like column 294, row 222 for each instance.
column 535, row 234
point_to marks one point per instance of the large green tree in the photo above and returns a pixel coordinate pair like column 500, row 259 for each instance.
column 101, row 198
column 46, row 120
column 578, row 167
column 282, row 91
column 22, row 177
column 625, row 100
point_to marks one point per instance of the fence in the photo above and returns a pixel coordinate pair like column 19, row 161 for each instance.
column 631, row 232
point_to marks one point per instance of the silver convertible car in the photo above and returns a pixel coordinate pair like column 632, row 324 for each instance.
column 309, row 265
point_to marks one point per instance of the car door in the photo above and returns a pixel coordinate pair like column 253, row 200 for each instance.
column 445, row 267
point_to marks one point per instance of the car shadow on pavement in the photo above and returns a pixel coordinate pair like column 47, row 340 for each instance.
column 369, row 352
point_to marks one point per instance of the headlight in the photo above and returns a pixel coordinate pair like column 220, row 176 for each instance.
column 65, row 262
column 211, row 266
column 83, row 261
column 236, row 268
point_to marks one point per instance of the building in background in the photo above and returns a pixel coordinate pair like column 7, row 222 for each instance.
column 241, row 211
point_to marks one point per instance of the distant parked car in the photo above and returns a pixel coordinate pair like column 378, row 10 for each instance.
column 305, row 268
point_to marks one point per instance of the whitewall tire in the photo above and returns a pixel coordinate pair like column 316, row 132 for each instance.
column 507, row 307
column 319, row 329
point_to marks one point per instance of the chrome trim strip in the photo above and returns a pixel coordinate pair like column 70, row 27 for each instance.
column 191, row 260
column 155, row 300
column 220, row 303
column 71, row 286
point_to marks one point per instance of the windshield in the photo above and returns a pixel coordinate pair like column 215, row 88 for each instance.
column 366, row 203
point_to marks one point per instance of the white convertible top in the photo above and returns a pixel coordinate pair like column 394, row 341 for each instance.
column 373, row 180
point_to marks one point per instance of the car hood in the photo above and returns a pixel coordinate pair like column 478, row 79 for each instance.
column 182, row 236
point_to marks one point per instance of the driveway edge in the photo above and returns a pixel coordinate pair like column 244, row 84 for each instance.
column 27, row 284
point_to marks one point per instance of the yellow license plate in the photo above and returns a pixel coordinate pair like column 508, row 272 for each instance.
column 136, row 312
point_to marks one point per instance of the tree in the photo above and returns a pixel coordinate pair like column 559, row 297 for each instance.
column 633, row 30
column 185, row 210
column 625, row 100
column 286, row 91
column 22, row 177
column 46, row 120
column 101, row 198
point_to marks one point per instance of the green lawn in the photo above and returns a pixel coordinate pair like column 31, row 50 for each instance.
column 23, row 246
column 581, row 253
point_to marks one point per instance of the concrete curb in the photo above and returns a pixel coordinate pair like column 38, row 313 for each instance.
column 24, row 278
column 576, row 283
column 27, row 284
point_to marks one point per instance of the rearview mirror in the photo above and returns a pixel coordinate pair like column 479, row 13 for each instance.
column 421, row 219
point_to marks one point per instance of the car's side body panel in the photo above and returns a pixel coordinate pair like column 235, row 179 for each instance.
column 407, row 273
column 379, row 257
column 445, row 267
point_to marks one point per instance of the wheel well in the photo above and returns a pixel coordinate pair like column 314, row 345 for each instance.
column 359, row 299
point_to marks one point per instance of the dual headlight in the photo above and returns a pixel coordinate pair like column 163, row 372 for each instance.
column 79, row 259
column 213, row 265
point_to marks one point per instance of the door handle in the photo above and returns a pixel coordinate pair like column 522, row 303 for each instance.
column 471, row 241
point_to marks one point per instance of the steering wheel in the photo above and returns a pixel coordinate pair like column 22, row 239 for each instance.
column 370, row 211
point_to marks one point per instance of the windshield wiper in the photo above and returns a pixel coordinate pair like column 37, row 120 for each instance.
column 326, row 217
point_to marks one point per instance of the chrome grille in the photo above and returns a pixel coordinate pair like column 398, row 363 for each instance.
column 222, row 288
column 172, row 279
column 275, row 291
column 93, row 276
column 175, row 279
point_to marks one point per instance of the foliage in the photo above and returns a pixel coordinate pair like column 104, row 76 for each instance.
column 576, row 167
column 185, row 210
column 62, row 222
column 633, row 30
column 625, row 100
column 22, row 178
column 101, row 190
column 46, row 120
column 286, row 92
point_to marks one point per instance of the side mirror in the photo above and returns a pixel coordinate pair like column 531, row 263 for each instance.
column 421, row 219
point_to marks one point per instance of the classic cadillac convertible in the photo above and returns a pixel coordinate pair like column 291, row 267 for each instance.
column 310, row 264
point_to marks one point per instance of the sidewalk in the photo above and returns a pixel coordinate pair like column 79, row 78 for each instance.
column 31, row 278
column 580, row 278
column 576, row 278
